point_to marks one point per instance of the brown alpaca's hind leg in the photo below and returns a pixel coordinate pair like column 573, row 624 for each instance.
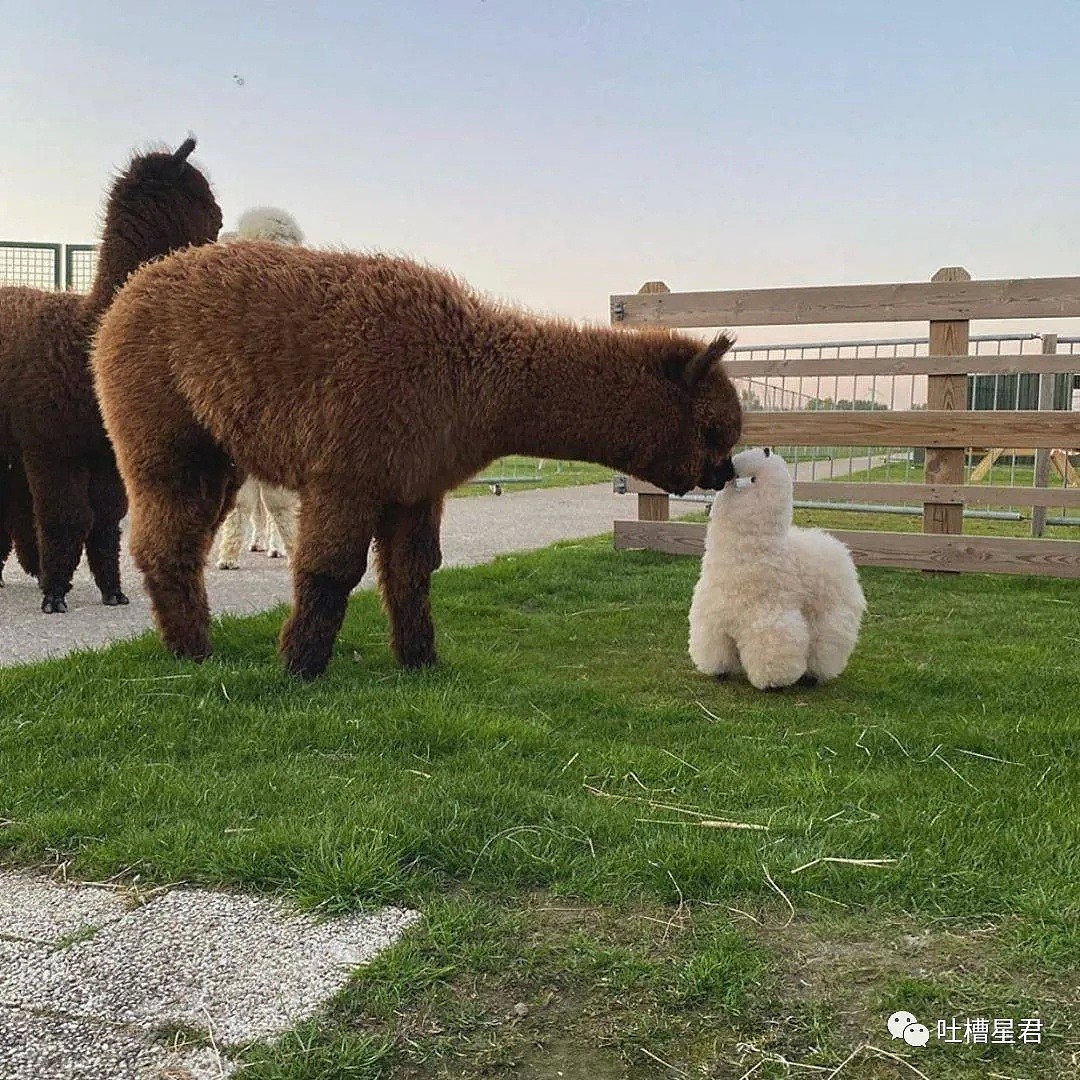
column 408, row 551
column 234, row 480
column 61, row 498
column 330, row 559
column 109, row 504
column 174, row 513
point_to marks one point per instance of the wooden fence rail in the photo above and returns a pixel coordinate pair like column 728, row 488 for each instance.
column 969, row 494
column 958, row 428
column 946, row 429
column 949, row 301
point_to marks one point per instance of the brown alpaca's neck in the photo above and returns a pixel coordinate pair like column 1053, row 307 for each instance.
column 570, row 393
column 123, row 250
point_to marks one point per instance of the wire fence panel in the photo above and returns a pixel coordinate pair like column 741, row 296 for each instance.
column 48, row 266
column 35, row 265
column 80, row 264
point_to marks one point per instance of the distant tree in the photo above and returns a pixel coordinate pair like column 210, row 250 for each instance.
column 865, row 404
column 749, row 400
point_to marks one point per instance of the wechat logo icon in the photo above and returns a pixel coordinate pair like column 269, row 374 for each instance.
column 906, row 1026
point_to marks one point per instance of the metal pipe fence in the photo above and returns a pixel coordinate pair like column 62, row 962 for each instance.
column 1010, row 467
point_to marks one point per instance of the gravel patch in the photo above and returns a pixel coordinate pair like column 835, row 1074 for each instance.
column 237, row 968
column 46, row 911
column 19, row 952
column 41, row 1047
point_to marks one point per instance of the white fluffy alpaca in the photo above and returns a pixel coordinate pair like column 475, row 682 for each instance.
column 270, row 511
column 780, row 603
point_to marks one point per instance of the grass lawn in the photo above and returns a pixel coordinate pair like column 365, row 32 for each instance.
column 900, row 472
column 894, row 472
column 908, row 523
column 541, row 797
column 521, row 473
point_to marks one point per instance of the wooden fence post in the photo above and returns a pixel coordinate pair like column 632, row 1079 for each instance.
column 1042, row 454
column 945, row 465
column 653, row 507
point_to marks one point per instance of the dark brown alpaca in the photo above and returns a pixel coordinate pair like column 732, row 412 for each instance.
column 372, row 386
column 53, row 447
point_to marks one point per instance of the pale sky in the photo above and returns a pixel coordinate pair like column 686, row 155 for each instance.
column 555, row 152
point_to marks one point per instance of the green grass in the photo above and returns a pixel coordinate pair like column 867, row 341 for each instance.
column 899, row 472
column 878, row 521
column 526, row 473
column 909, row 523
column 560, row 759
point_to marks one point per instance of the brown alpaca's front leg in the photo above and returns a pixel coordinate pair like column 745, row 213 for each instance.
column 109, row 504
column 61, row 497
column 5, row 514
column 407, row 544
column 330, row 559
column 21, row 521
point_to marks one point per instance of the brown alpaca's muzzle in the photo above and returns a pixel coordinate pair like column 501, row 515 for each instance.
column 716, row 474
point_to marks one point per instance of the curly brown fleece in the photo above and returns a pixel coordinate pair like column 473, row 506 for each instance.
column 372, row 385
column 53, row 447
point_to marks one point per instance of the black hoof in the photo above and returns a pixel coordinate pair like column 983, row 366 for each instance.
column 421, row 663
column 114, row 599
column 53, row 604
column 306, row 668
column 722, row 676
column 418, row 657
column 807, row 680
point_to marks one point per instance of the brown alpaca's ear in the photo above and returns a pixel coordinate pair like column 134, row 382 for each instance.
column 178, row 159
column 183, row 151
column 703, row 363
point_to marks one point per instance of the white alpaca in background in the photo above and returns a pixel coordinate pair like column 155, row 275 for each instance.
column 269, row 511
column 780, row 603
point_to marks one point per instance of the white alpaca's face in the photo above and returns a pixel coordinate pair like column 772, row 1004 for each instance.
column 759, row 497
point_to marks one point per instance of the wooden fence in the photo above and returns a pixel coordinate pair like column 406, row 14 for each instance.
column 949, row 301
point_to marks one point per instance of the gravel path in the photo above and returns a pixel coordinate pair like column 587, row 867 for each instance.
column 475, row 530
column 95, row 982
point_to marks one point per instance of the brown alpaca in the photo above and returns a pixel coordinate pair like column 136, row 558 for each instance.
column 53, row 447
column 372, row 386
